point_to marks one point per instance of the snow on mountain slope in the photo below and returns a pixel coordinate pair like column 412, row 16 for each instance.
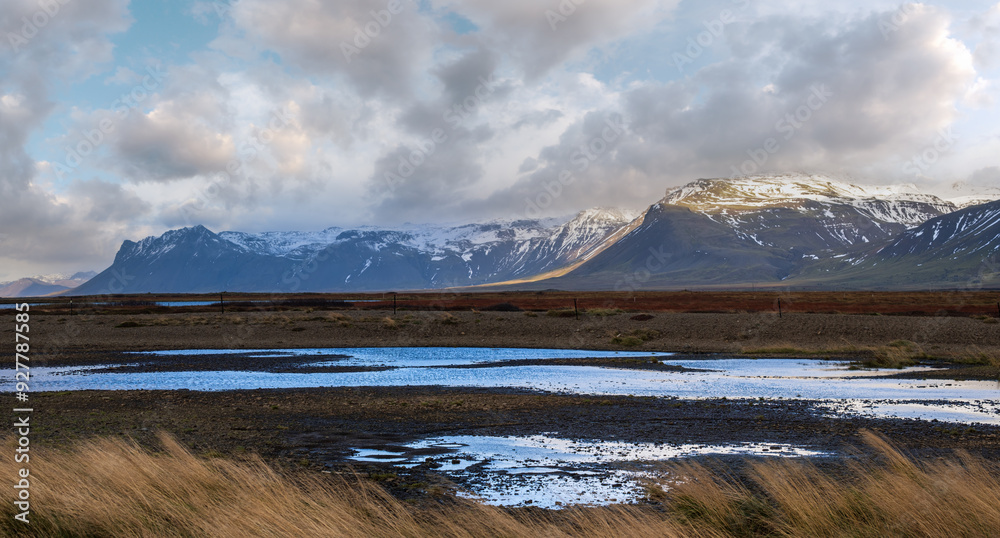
column 559, row 239
column 589, row 229
column 963, row 202
column 901, row 204
column 152, row 247
column 282, row 243
column 813, row 215
column 968, row 231
column 957, row 250
column 364, row 258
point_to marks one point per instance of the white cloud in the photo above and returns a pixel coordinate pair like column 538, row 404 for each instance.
column 64, row 44
column 353, row 112
column 542, row 35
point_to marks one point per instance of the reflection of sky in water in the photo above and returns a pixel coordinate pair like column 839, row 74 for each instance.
column 410, row 356
column 551, row 472
column 962, row 401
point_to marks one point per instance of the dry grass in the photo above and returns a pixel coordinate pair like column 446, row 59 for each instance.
column 115, row 488
column 895, row 497
column 896, row 354
column 634, row 337
column 448, row 318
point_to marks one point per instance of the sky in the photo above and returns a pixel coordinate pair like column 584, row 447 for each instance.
column 120, row 119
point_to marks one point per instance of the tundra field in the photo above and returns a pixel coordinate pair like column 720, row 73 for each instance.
column 282, row 460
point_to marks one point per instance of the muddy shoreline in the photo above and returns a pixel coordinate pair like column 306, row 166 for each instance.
column 323, row 425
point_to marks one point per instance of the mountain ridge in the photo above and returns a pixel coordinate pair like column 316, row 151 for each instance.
column 365, row 258
column 789, row 229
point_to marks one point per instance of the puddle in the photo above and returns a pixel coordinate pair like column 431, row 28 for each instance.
column 368, row 454
column 550, row 472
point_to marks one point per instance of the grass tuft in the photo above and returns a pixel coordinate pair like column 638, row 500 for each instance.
column 635, row 337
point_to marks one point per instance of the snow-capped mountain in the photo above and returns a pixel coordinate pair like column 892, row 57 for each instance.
column 802, row 231
column 812, row 214
column 793, row 229
column 366, row 258
column 901, row 204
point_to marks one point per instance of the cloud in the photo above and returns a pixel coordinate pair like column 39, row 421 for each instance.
column 97, row 200
column 406, row 178
column 521, row 92
column 987, row 26
column 42, row 45
column 542, row 35
column 66, row 39
column 380, row 54
column 78, row 229
column 829, row 94
column 538, row 118
column 172, row 141
column 984, row 179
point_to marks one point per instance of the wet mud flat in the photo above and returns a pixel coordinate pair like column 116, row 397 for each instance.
column 324, row 429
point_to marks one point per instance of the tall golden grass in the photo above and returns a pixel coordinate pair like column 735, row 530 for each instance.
column 111, row 487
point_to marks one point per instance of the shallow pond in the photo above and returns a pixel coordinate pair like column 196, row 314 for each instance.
column 839, row 389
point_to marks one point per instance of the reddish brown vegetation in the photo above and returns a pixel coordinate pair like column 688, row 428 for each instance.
column 952, row 303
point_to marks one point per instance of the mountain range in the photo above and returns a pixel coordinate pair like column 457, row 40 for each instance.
column 806, row 231
column 37, row 286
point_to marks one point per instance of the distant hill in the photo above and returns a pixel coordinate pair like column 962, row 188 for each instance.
column 44, row 285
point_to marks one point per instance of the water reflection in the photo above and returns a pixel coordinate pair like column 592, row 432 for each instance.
column 840, row 389
column 550, row 472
